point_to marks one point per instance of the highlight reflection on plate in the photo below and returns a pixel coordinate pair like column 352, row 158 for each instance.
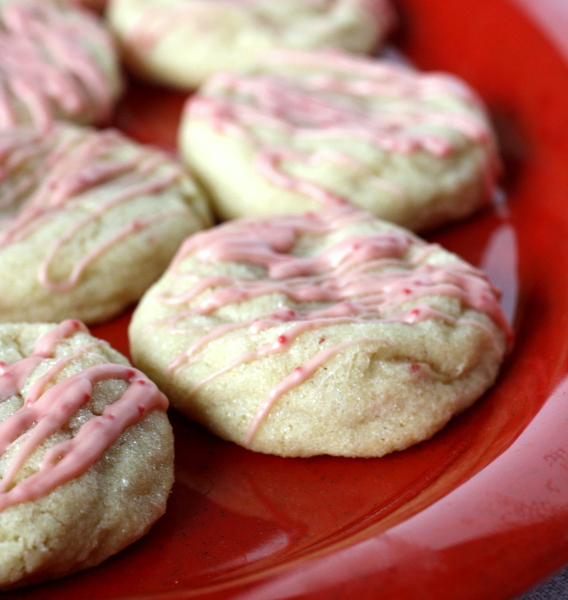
column 478, row 511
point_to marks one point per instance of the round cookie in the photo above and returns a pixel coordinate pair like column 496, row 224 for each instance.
column 321, row 333
column 182, row 42
column 88, row 220
column 86, row 452
column 306, row 131
column 58, row 62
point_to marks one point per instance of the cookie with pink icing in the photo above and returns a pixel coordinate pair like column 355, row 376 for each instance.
column 86, row 452
column 88, row 220
column 58, row 62
column 330, row 332
column 180, row 43
column 310, row 131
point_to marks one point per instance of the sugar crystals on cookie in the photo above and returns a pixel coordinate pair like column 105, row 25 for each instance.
column 86, row 452
column 320, row 333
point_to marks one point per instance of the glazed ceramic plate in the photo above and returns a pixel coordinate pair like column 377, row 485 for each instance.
column 481, row 510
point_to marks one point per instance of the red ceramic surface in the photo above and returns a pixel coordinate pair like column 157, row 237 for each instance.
column 481, row 510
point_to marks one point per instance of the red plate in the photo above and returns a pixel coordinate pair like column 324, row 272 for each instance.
column 479, row 511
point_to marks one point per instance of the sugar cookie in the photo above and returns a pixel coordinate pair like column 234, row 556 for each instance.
column 182, row 42
column 305, row 131
column 86, row 452
column 88, row 220
column 322, row 333
column 58, row 62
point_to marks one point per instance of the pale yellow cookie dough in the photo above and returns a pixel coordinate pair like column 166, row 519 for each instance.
column 324, row 333
column 88, row 220
column 306, row 131
column 182, row 42
column 86, row 519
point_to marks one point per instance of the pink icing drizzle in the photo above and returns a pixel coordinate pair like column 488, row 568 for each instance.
column 328, row 106
column 296, row 377
column 361, row 278
column 68, row 165
column 44, row 61
column 47, row 408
